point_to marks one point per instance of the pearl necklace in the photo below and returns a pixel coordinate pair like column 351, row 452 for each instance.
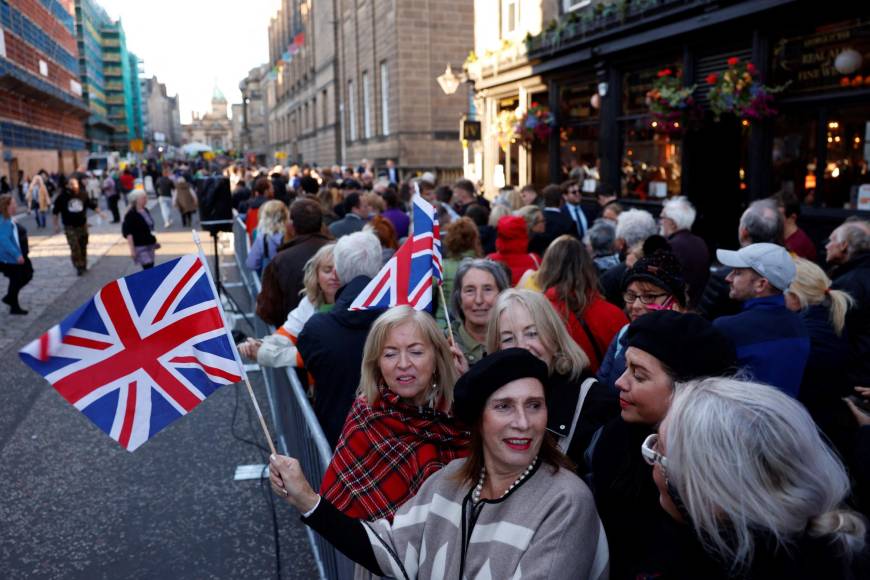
column 475, row 495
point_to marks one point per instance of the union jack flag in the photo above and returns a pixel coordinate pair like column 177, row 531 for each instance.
column 144, row 351
column 407, row 277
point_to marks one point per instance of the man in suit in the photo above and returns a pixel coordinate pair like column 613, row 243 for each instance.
column 556, row 223
column 571, row 196
column 356, row 212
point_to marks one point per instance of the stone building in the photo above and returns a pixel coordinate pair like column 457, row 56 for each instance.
column 213, row 128
column 164, row 121
column 253, row 138
column 357, row 80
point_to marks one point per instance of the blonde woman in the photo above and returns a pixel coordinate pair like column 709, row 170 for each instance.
column 321, row 283
column 38, row 199
column 578, row 403
column 823, row 311
column 273, row 218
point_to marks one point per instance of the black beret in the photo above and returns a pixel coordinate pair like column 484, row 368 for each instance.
column 685, row 343
column 490, row 374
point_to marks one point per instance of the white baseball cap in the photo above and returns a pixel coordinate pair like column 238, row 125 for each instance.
column 768, row 260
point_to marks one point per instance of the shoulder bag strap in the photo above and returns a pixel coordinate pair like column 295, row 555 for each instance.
column 565, row 442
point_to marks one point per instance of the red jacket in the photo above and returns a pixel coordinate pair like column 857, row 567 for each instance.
column 512, row 247
column 602, row 321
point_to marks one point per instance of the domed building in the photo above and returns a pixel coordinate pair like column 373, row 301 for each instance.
column 214, row 128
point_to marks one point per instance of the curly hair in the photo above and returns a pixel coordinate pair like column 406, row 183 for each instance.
column 462, row 235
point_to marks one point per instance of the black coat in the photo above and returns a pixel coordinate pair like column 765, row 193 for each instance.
column 285, row 274
column 556, row 224
column 331, row 346
column 854, row 278
column 134, row 224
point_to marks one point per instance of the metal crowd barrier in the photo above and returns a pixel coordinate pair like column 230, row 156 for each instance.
column 297, row 430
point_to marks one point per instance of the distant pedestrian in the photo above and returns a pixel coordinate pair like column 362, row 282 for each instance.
column 185, row 201
column 138, row 228
column 165, row 188
column 71, row 207
column 127, row 182
column 14, row 263
column 38, row 199
column 110, row 191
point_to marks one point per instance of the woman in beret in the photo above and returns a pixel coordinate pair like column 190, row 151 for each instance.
column 579, row 404
column 664, row 347
column 508, row 510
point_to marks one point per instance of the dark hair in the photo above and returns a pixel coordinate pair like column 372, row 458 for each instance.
column 789, row 203
column 443, row 193
column 568, row 267
column 477, row 213
column 307, row 216
column 462, row 235
column 262, row 185
column 552, row 195
column 529, row 187
column 351, row 201
column 465, row 185
column 391, row 199
column 549, row 454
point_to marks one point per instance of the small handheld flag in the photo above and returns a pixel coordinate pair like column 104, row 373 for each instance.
column 407, row 277
column 143, row 352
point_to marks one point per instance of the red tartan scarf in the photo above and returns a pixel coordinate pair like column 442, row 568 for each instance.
column 386, row 452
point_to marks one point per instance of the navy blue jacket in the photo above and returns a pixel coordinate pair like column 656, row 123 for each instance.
column 331, row 346
column 772, row 342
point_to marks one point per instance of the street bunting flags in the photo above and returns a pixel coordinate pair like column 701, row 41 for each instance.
column 143, row 352
column 407, row 277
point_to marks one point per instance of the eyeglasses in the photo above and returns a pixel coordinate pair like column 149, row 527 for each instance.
column 650, row 455
column 573, row 190
column 630, row 297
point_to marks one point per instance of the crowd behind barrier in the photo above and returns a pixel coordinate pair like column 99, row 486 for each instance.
column 297, row 430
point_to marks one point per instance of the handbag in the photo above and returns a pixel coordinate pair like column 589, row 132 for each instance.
column 565, row 442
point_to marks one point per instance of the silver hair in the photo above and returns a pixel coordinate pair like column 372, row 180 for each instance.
column 635, row 226
column 600, row 238
column 680, row 211
column 357, row 254
column 856, row 234
column 746, row 458
column 495, row 269
column 763, row 222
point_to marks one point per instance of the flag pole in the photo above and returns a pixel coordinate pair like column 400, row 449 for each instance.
column 233, row 343
column 446, row 314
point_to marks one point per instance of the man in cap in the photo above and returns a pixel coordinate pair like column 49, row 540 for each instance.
column 772, row 342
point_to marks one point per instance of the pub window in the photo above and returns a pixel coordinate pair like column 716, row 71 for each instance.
column 651, row 158
column 579, row 132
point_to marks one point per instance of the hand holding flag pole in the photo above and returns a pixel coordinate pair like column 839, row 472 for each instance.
column 235, row 349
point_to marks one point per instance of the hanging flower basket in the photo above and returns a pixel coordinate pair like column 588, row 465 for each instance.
column 504, row 128
column 536, row 124
column 737, row 91
column 669, row 101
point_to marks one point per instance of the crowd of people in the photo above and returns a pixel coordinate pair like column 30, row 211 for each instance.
column 611, row 398
column 600, row 394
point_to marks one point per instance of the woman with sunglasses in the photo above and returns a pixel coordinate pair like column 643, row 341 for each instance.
column 663, row 347
column 655, row 282
column 759, row 493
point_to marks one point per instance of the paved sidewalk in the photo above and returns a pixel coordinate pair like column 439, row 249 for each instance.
column 53, row 272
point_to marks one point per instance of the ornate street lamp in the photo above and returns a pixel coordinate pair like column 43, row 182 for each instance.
column 449, row 81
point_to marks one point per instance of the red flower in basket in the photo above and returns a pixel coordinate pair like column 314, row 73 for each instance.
column 750, row 68
column 733, row 61
column 664, row 73
column 712, row 78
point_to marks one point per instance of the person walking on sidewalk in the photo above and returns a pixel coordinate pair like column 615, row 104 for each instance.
column 185, row 200
column 165, row 188
column 14, row 263
column 38, row 199
column 71, row 206
column 110, row 191
column 137, row 229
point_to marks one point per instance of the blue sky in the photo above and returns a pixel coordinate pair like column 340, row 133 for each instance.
column 191, row 44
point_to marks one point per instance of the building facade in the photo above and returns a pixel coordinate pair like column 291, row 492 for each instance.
column 213, row 128
column 90, row 21
column 357, row 80
column 42, row 112
column 119, row 86
column 254, row 138
column 597, row 68
column 164, row 121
